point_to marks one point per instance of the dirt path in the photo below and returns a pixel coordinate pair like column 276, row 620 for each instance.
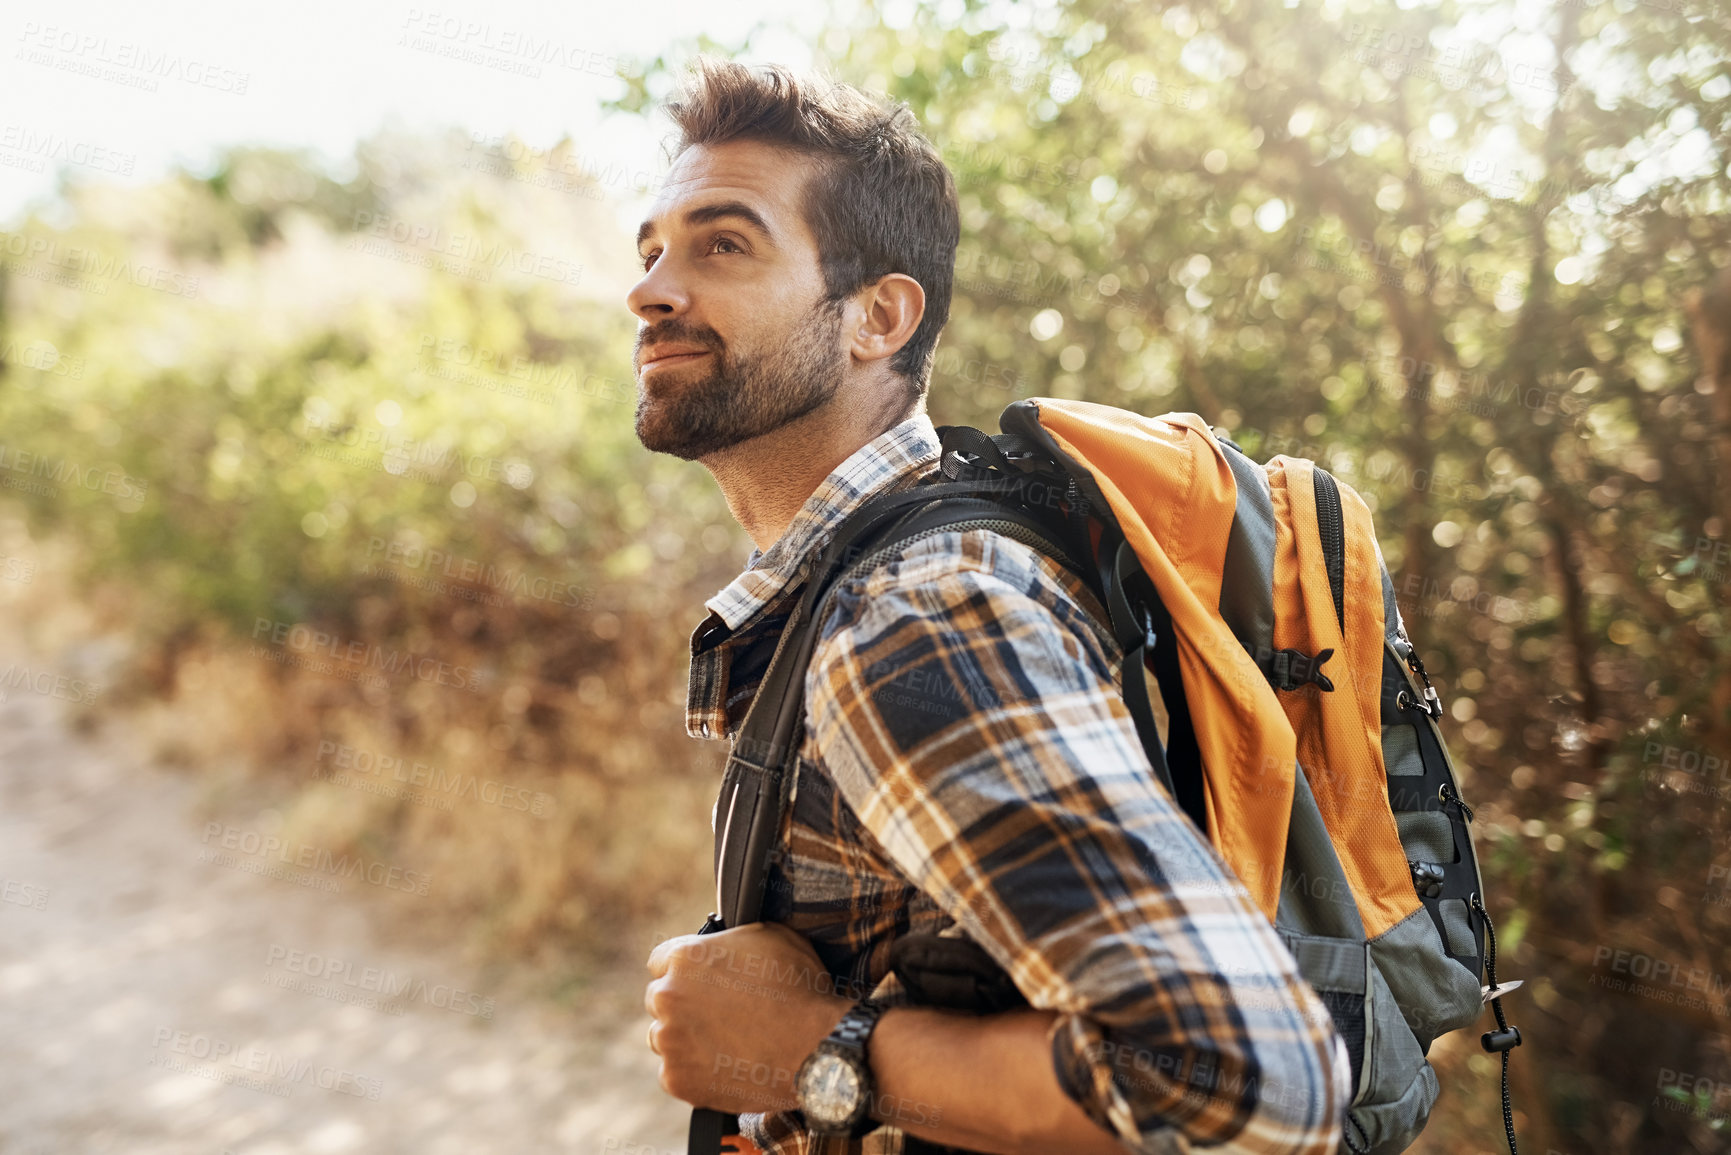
column 154, row 1003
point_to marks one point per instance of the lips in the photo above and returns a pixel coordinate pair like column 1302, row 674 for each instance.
column 667, row 356
column 670, row 359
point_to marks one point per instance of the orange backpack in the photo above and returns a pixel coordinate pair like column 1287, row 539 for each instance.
column 1300, row 729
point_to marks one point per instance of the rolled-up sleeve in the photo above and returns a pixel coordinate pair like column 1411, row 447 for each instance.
column 967, row 710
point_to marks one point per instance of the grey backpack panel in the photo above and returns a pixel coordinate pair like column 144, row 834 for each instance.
column 1399, row 1087
column 1390, row 997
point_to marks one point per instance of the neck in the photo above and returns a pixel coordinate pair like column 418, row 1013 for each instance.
column 767, row 479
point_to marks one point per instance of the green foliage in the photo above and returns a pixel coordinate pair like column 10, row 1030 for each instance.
column 314, row 389
column 1449, row 251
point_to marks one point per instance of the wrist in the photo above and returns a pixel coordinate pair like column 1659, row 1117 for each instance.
column 836, row 1086
column 820, row 1017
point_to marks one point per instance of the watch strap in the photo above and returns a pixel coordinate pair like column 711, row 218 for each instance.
column 858, row 1024
column 854, row 1030
column 849, row 1037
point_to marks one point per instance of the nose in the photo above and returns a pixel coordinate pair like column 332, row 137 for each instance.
column 659, row 295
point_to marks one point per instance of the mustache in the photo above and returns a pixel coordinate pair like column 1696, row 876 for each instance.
column 676, row 331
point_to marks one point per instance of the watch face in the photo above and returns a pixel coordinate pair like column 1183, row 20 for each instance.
column 829, row 1090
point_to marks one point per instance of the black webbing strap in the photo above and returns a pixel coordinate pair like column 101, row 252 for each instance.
column 748, row 812
column 1139, row 621
column 1136, row 636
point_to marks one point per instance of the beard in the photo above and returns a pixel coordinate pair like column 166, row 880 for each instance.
column 745, row 395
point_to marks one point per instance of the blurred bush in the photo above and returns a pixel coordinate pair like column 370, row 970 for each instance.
column 359, row 456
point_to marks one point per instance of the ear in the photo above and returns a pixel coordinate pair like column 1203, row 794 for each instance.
column 883, row 316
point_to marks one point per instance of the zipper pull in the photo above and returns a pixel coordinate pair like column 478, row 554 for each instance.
column 1432, row 703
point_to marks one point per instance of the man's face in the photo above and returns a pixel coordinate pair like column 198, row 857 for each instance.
column 736, row 338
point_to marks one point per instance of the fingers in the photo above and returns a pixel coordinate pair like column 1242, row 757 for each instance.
column 662, row 956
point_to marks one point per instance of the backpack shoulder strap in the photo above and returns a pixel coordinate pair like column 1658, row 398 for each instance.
column 753, row 785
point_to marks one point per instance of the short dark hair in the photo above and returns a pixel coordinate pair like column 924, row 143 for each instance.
column 882, row 200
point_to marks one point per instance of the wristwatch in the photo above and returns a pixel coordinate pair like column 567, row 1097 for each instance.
column 835, row 1083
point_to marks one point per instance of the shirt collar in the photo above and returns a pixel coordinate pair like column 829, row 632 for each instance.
column 721, row 687
column 872, row 468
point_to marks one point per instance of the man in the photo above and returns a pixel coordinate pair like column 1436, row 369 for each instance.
column 967, row 759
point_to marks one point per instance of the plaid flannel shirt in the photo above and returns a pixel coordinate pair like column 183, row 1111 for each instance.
column 968, row 763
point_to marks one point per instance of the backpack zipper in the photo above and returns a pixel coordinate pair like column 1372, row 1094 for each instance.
column 1010, row 529
column 1331, row 528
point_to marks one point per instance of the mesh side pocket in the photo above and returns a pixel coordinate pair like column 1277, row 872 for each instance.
column 1400, row 754
column 1426, row 835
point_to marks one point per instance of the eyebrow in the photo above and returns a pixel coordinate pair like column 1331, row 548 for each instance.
column 721, row 210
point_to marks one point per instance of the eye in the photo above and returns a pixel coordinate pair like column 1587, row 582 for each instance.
column 649, row 258
column 732, row 246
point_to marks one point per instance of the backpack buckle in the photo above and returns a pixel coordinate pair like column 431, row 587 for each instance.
column 1291, row 669
column 1149, row 637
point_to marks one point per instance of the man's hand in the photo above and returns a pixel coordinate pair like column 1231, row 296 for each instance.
column 736, row 1013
